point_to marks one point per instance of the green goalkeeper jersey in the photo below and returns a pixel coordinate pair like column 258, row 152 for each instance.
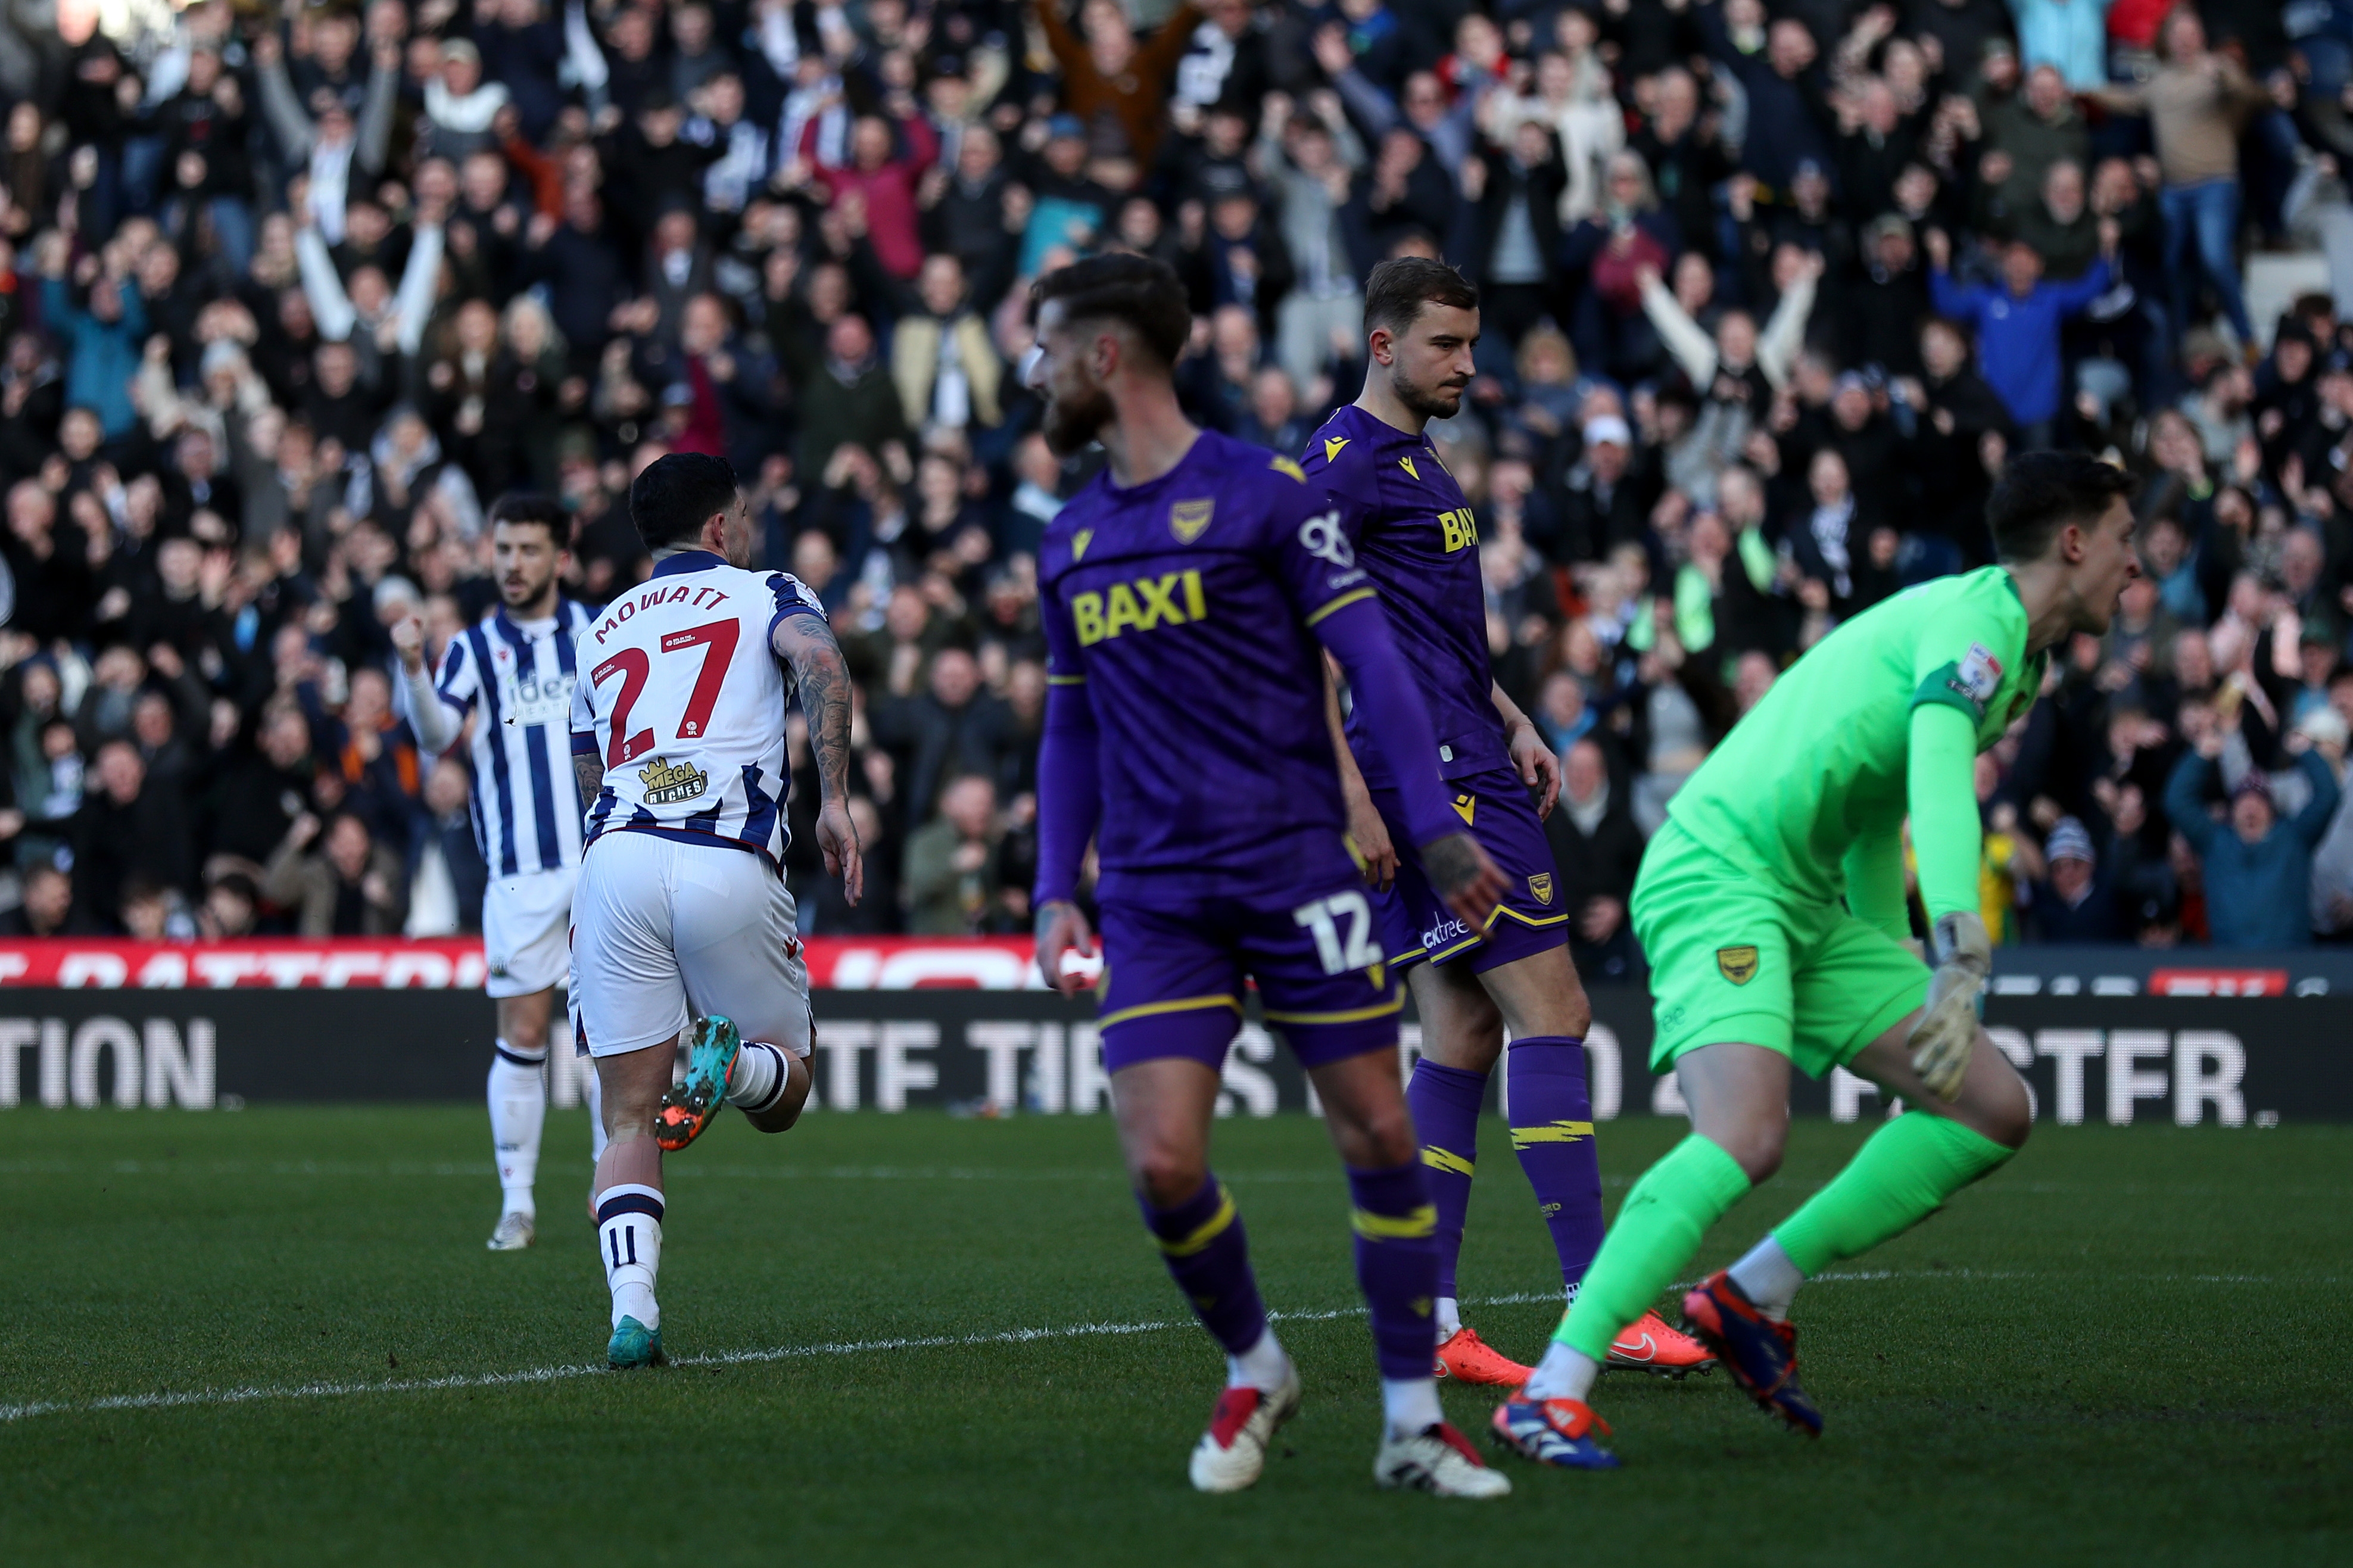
column 1821, row 768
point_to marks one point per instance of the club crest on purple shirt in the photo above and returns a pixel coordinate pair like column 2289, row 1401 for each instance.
column 1188, row 518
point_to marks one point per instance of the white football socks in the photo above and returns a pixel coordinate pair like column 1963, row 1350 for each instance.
column 1447, row 1315
column 1264, row 1366
column 759, row 1077
column 1768, row 1277
column 518, row 1096
column 1563, row 1373
column 1410, row 1404
column 628, row 1235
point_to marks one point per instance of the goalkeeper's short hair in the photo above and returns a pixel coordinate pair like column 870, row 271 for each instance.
column 2040, row 492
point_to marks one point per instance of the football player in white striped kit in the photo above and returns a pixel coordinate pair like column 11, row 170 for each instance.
column 682, row 931
column 513, row 669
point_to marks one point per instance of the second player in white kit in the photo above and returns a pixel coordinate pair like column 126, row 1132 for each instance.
column 514, row 672
column 681, row 926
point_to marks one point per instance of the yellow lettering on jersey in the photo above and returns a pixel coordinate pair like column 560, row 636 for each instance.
column 1119, row 610
column 1160, row 602
column 1407, row 464
column 1331, row 445
column 1285, row 466
column 1458, row 529
column 1080, row 540
column 1170, row 599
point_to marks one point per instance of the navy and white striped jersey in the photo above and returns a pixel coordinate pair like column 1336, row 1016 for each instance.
column 682, row 698
column 526, row 802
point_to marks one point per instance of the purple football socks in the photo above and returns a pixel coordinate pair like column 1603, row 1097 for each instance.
column 1208, row 1256
column 1445, row 1104
column 1552, row 1132
column 1397, row 1264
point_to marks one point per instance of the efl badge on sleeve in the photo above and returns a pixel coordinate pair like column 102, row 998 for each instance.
column 1739, row 964
column 1980, row 674
column 1186, row 518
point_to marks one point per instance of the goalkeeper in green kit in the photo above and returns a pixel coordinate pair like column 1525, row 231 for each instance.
column 1772, row 907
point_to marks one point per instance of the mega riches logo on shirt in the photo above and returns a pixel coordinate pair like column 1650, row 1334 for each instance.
column 667, row 783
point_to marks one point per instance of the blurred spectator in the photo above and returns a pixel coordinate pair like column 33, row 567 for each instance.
column 2018, row 325
column 2075, row 903
column 445, row 873
column 2255, row 865
column 49, row 905
column 2197, row 103
column 952, row 882
column 1599, row 850
column 130, row 829
column 351, row 887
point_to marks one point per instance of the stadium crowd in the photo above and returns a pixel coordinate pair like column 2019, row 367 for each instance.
column 287, row 297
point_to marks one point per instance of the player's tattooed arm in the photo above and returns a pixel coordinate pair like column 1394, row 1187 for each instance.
column 1532, row 759
column 1368, row 835
column 806, row 644
column 1464, row 877
column 588, row 772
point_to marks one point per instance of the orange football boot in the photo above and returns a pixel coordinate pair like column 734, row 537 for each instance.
column 1649, row 1345
column 1467, row 1358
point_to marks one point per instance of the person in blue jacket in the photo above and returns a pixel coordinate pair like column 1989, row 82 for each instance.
column 2017, row 324
column 103, row 339
column 2258, row 866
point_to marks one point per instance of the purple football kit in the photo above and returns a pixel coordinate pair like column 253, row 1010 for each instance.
column 1183, row 618
column 1185, row 716
column 1415, row 537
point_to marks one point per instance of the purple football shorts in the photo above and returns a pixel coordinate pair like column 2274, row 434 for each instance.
column 1416, row 924
column 1174, row 975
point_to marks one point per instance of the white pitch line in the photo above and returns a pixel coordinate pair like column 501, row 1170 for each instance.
column 220, row 1396
column 9, row 1413
column 740, row 1172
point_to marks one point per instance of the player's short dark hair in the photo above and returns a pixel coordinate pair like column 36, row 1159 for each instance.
column 1139, row 293
column 678, row 494
column 2040, row 492
column 1398, row 289
column 545, row 512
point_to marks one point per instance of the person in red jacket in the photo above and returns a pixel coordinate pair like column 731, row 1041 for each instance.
column 882, row 174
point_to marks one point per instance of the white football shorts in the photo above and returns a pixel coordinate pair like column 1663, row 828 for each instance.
column 664, row 931
column 524, row 920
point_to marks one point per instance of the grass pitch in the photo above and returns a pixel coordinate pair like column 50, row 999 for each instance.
column 2127, row 1346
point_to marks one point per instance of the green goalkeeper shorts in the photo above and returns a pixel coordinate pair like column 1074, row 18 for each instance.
column 1734, row 959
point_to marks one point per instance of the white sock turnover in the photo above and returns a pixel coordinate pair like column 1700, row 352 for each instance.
column 1410, row 1404
column 518, row 1096
column 628, row 1235
column 1448, row 1318
column 759, row 1079
column 1563, row 1373
column 1768, row 1276
column 1264, row 1366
